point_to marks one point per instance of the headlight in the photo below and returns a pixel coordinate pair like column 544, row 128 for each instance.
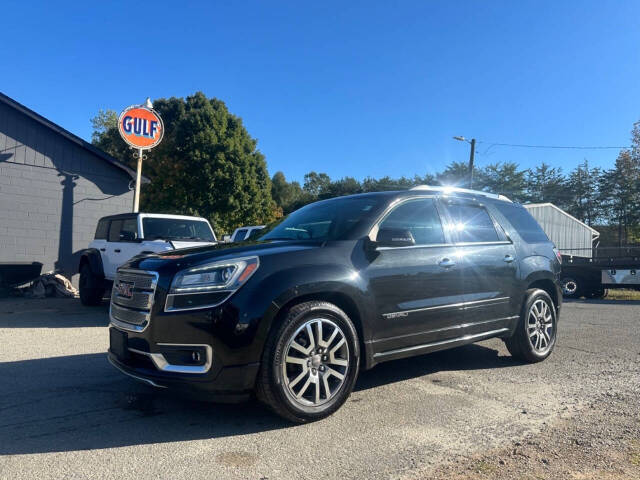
column 209, row 285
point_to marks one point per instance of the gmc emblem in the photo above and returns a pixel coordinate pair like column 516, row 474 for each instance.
column 124, row 289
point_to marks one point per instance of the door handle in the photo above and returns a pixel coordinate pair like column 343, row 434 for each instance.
column 102, row 249
column 117, row 250
column 509, row 258
column 446, row 263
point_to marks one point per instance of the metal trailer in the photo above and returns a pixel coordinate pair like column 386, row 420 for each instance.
column 588, row 270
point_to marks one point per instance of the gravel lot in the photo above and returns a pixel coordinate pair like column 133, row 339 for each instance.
column 471, row 412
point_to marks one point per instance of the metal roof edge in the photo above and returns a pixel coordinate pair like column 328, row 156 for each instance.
column 549, row 204
column 69, row 136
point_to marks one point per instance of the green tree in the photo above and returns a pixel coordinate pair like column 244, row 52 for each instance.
column 456, row 174
column 546, row 184
column 316, row 183
column 103, row 122
column 207, row 164
column 583, row 197
column 620, row 193
column 505, row 179
column 285, row 194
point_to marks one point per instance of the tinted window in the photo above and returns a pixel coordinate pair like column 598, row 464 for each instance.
column 176, row 229
column 114, row 230
column 523, row 222
column 240, row 235
column 255, row 233
column 102, row 230
column 327, row 220
column 420, row 217
column 471, row 224
column 129, row 229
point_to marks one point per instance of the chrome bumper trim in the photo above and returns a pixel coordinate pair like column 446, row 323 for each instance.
column 140, row 379
column 163, row 365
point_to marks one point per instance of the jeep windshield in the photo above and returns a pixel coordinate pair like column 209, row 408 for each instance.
column 176, row 229
column 326, row 220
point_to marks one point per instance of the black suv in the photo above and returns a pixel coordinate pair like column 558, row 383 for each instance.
column 336, row 286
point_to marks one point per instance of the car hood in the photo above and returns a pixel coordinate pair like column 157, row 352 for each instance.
column 188, row 257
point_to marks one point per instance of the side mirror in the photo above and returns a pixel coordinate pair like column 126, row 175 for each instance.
column 226, row 239
column 395, row 237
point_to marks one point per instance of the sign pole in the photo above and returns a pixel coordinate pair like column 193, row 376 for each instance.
column 136, row 194
column 141, row 127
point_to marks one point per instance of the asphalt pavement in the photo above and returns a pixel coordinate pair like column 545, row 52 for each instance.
column 66, row 413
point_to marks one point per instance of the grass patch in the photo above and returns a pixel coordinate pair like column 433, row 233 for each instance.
column 634, row 456
column 622, row 294
column 485, row 468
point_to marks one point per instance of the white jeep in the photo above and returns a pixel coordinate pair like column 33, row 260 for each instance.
column 121, row 237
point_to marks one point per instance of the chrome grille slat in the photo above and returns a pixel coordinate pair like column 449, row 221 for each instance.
column 133, row 313
column 126, row 315
column 141, row 281
column 139, row 300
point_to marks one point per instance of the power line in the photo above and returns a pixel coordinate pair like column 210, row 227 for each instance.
column 570, row 147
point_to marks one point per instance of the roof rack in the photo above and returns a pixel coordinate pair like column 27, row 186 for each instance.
column 449, row 190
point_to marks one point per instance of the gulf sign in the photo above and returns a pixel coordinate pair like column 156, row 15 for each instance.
column 140, row 127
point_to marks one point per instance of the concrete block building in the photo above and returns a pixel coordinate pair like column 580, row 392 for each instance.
column 54, row 187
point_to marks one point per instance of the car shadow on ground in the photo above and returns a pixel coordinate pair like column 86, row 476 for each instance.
column 601, row 301
column 81, row 402
column 51, row 313
column 468, row 357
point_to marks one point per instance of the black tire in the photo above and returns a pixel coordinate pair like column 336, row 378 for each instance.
column 520, row 344
column 571, row 287
column 91, row 287
column 274, row 386
column 597, row 292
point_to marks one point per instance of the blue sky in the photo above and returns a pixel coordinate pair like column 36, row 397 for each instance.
column 349, row 88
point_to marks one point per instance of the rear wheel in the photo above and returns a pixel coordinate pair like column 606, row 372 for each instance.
column 91, row 287
column 535, row 336
column 310, row 363
column 571, row 287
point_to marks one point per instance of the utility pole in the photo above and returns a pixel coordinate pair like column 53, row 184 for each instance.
column 471, row 155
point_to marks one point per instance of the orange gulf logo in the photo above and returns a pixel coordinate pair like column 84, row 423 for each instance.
column 140, row 127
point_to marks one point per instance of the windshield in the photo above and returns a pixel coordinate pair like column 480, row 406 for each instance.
column 176, row 229
column 327, row 220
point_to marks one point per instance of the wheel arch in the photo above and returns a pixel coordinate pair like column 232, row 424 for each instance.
column 341, row 300
column 92, row 257
column 548, row 286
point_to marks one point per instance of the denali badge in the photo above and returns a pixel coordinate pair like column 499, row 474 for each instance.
column 124, row 289
column 395, row 315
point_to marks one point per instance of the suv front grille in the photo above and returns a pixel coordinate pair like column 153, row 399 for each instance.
column 132, row 298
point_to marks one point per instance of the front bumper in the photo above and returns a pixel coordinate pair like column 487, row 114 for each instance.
column 210, row 353
column 224, row 384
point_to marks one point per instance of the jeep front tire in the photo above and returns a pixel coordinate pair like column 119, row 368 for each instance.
column 91, row 287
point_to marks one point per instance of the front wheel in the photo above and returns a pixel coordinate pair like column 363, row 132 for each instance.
column 91, row 288
column 310, row 363
column 535, row 335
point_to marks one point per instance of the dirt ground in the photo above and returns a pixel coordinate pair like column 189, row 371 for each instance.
column 599, row 441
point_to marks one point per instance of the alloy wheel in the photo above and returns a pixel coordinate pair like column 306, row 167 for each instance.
column 540, row 328
column 316, row 361
column 569, row 287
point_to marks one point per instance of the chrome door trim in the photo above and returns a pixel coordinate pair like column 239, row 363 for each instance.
column 444, row 329
column 461, row 305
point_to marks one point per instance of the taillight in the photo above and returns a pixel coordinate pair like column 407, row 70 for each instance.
column 558, row 254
